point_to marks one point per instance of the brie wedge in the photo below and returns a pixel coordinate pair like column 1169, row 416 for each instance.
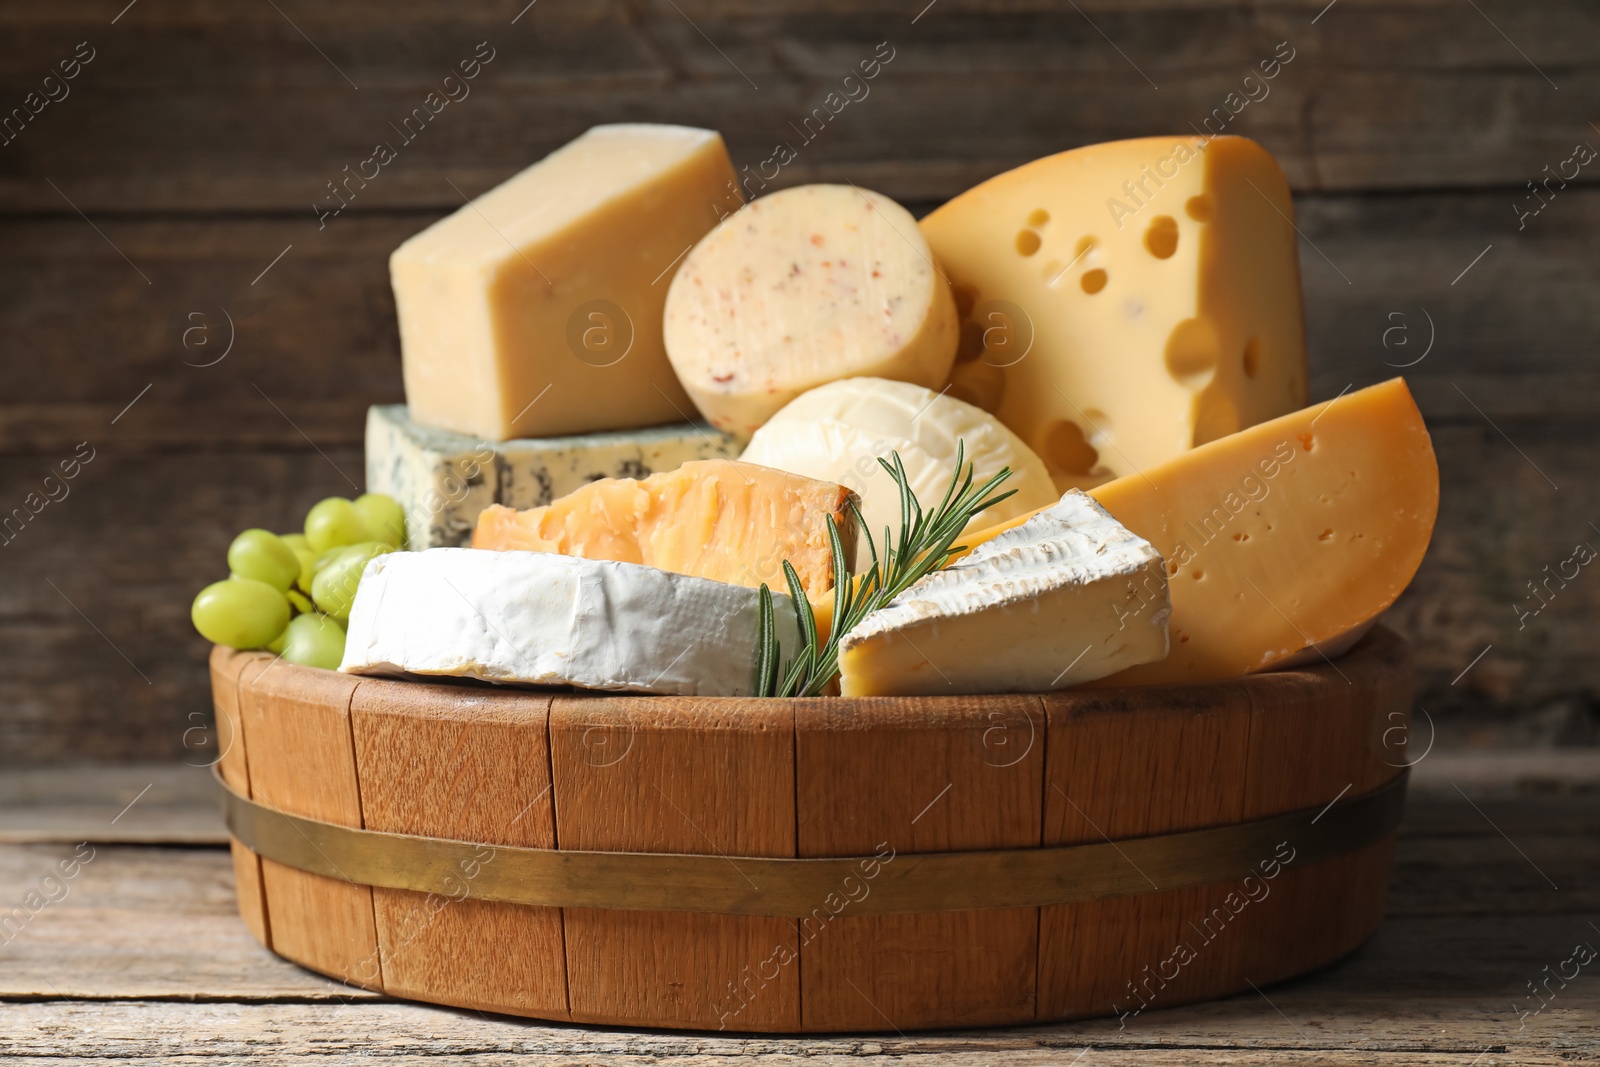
column 1066, row 597
column 544, row 619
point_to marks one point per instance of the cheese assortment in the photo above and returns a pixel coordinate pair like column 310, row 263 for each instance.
column 545, row 619
column 798, row 289
column 1125, row 302
column 443, row 480
column 1064, row 597
column 887, row 493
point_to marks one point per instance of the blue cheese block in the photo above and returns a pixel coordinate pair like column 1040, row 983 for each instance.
column 443, row 480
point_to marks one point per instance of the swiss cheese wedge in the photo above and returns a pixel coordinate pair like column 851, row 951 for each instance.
column 1124, row 302
column 713, row 518
column 1283, row 537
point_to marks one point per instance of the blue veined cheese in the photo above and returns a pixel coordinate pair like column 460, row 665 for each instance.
column 538, row 618
column 443, row 480
column 1066, row 597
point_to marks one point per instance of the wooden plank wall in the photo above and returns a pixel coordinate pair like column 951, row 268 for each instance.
column 141, row 210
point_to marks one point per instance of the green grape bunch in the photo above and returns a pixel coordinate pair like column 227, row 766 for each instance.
column 292, row 593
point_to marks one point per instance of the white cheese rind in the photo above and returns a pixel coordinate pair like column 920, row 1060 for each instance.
column 1069, row 596
column 542, row 619
column 443, row 480
column 838, row 431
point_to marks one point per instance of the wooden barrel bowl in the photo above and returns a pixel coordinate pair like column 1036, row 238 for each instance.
column 809, row 778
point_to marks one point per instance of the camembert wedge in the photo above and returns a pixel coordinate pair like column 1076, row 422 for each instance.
column 713, row 518
column 543, row 619
column 1065, row 597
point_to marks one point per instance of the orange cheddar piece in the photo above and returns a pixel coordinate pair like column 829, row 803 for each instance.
column 713, row 518
column 1284, row 537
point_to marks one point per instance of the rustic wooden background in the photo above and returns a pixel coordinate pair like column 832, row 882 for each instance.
column 139, row 216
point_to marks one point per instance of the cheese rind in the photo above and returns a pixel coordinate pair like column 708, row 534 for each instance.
column 541, row 619
column 800, row 288
column 1125, row 302
column 535, row 310
column 716, row 518
column 443, row 480
column 1290, row 534
column 837, row 433
column 1064, row 598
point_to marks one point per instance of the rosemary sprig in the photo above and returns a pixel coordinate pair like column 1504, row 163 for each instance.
column 926, row 542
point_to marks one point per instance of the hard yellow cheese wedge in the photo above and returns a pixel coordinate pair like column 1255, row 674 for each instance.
column 1285, row 536
column 1124, row 302
column 535, row 310
column 714, row 518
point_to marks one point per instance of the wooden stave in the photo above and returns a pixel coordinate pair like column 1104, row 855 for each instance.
column 801, row 774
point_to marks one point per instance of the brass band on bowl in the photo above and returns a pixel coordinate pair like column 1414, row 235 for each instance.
column 884, row 884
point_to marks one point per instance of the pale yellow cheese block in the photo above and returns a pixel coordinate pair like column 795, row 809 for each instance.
column 804, row 287
column 1286, row 537
column 1125, row 302
column 535, row 310
column 711, row 518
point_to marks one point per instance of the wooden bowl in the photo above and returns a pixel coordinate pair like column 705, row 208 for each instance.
column 809, row 778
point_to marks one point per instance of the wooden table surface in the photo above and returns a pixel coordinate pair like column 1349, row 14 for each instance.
column 139, row 957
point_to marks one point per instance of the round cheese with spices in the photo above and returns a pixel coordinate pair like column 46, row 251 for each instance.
column 801, row 288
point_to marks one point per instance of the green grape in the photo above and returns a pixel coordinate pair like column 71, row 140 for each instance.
column 332, row 522
column 325, row 558
column 334, row 588
column 240, row 613
column 259, row 554
column 301, row 602
column 314, row 641
column 385, row 521
column 308, row 566
column 276, row 644
column 305, row 554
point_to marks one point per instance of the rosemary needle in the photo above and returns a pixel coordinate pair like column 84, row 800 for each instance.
column 927, row 541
